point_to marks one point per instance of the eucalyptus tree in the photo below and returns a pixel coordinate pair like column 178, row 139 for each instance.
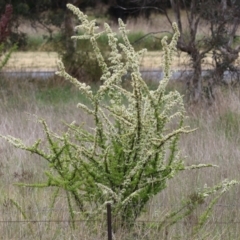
column 220, row 20
column 48, row 14
column 45, row 13
column 224, row 24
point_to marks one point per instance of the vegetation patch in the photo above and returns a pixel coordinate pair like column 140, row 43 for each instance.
column 129, row 152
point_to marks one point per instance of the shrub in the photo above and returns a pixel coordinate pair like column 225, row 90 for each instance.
column 132, row 151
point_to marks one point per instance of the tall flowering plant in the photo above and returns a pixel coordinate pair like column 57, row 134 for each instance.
column 132, row 151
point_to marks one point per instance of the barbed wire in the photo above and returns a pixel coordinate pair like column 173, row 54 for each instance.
column 85, row 221
column 65, row 210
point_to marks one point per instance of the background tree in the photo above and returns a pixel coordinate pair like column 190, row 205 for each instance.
column 5, row 31
column 221, row 21
column 4, row 23
column 224, row 23
column 125, row 9
column 44, row 12
column 48, row 14
column 188, row 42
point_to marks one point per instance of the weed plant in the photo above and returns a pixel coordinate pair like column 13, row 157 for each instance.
column 88, row 163
column 208, row 143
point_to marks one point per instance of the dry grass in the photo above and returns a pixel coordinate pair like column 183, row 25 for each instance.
column 46, row 61
column 32, row 61
column 216, row 141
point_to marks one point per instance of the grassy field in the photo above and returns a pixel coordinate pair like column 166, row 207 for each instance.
column 26, row 213
column 215, row 141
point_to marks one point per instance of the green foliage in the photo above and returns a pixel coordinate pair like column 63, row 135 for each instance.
column 131, row 151
column 22, row 9
column 34, row 43
column 40, row 42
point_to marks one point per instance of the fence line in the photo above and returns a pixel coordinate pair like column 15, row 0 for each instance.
column 85, row 221
column 65, row 210
column 45, row 209
column 108, row 218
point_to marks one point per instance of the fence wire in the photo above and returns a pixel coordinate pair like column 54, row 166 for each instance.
column 224, row 224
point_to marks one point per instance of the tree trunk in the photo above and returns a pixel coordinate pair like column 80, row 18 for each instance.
column 69, row 32
column 176, row 9
column 69, row 47
column 196, row 79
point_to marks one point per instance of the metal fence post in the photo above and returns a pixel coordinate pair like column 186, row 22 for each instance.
column 109, row 221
